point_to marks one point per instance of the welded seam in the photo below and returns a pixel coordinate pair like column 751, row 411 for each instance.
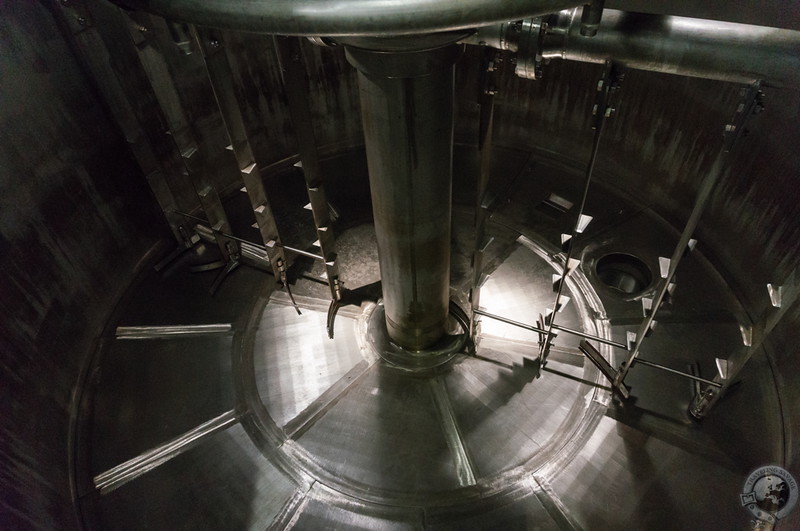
column 291, row 510
column 554, row 506
column 131, row 469
column 150, row 332
column 304, row 420
column 465, row 469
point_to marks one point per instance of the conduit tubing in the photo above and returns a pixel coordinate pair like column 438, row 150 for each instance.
column 340, row 18
column 724, row 51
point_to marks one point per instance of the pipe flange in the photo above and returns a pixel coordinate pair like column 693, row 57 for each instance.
column 529, row 54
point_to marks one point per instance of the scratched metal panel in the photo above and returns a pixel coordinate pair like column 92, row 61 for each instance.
column 326, row 509
column 333, row 96
column 380, row 425
column 71, row 236
column 223, row 483
column 623, row 476
column 135, row 407
column 295, row 362
column 520, row 510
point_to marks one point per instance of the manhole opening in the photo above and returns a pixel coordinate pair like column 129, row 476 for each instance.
column 624, row 273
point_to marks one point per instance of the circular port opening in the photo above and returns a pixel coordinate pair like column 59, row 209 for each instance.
column 624, row 273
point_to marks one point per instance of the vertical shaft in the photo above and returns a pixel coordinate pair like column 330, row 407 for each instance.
column 407, row 112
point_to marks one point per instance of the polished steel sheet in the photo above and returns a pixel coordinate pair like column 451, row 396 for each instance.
column 224, row 483
column 506, row 415
column 520, row 510
column 296, row 362
column 135, row 406
column 623, row 475
column 520, row 289
column 385, row 433
column 327, row 509
column 348, row 441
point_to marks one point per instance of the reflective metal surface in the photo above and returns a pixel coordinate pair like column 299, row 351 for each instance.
column 407, row 112
column 178, row 409
column 339, row 437
column 346, row 17
column 691, row 47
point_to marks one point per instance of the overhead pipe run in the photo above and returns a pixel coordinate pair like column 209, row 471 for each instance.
column 723, row 51
column 342, row 18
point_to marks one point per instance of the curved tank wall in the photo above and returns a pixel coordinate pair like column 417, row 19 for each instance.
column 78, row 222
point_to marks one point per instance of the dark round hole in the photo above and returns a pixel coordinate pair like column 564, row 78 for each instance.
column 624, row 273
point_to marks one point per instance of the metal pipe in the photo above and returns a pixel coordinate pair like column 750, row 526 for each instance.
column 555, row 326
column 724, row 51
column 339, row 18
column 675, row 371
column 407, row 112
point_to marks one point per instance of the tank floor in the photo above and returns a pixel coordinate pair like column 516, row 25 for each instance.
column 271, row 424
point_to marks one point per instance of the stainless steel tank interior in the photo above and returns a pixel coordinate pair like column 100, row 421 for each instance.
column 440, row 265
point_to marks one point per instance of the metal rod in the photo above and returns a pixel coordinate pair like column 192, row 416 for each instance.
column 557, row 327
column 607, row 84
column 486, row 93
column 220, row 76
column 145, row 332
column 708, row 397
column 732, row 133
column 590, row 336
column 133, row 468
column 705, row 191
column 204, row 223
column 289, row 53
column 679, row 373
column 300, row 251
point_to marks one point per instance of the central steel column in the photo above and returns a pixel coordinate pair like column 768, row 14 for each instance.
column 407, row 112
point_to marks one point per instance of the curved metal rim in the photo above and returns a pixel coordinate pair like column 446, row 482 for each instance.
column 341, row 18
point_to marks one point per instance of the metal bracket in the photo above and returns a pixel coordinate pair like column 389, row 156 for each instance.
column 607, row 88
column 608, row 371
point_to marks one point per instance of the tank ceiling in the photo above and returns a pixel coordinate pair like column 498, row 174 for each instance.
column 255, row 281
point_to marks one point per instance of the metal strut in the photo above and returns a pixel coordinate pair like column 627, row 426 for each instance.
column 788, row 294
column 486, row 91
column 606, row 88
column 750, row 104
column 284, row 280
